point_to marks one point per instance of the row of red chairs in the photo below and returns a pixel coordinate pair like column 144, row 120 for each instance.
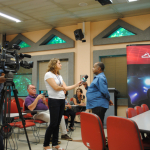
column 131, row 112
column 123, row 134
column 29, row 121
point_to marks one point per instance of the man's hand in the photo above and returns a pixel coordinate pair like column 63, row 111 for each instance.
column 43, row 98
column 85, row 84
column 2, row 79
column 87, row 111
column 44, row 101
column 40, row 96
column 82, row 104
column 111, row 103
column 69, row 106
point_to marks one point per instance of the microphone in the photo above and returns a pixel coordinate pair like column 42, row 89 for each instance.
column 84, row 79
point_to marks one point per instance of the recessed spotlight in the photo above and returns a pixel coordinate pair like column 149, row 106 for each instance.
column 105, row 2
column 82, row 4
column 9, row 17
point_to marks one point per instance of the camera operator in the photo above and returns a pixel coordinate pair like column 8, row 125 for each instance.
column 2, row 80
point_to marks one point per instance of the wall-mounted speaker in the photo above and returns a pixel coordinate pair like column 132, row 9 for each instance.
column 105, row 2
column 78, row 34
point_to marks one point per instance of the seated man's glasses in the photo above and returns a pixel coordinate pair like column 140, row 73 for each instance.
column 33, row 88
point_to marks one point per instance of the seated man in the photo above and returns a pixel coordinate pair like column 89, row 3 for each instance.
column 38, row 102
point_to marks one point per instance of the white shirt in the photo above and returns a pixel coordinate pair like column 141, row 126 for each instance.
column 51, row 92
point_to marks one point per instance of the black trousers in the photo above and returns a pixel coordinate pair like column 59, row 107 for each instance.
column 100, row 111
column 71, row 113
column 56, row 108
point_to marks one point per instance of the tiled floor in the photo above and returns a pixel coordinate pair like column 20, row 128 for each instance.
column 76, row 144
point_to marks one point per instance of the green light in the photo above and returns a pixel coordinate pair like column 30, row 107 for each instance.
column 120, row 32
column 21, row 81
column 55, row 40
column 22, row 44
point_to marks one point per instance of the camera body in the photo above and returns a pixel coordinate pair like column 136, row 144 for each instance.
column 10, row 61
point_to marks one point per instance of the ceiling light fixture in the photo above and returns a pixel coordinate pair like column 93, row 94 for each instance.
column 132, row 0
column 9, row 17
column 82, row 4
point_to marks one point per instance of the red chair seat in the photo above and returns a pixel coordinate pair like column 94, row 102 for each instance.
column 28, row 124
column 39, row 121
column 78, row 113
column 16, row 118
column 65, row 117
column 17, row 124
column 28, row 115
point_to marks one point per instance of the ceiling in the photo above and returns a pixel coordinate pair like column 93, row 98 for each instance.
column 45, row 14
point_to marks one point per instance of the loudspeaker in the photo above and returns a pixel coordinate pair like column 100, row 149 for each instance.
column 78, row 34
column 105, row 2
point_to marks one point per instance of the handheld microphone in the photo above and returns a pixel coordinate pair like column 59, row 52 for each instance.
column 84, row 79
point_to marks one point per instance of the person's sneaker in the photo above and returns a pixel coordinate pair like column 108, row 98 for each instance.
column 66, row 137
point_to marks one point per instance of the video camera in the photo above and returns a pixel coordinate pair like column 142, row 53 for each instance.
column 10, row 61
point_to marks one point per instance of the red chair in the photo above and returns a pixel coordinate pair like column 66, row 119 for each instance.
column 71, row 99
column 47, row 101
column 65, row 117
column 21, row 101
column 37, row 121
column 92, row 131
column 19, row 124
column 123, row 134
column 130, row 112
column 144, row 107
column 28, row 115
column 138, row 109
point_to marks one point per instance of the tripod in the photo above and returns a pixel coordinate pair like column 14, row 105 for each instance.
column 6, row 129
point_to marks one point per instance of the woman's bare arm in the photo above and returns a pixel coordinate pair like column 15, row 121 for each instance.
column 67, row 88
column 53, row 84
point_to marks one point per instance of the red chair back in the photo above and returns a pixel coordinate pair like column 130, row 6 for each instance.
column 21, row 101
column 24, row 107
column 138, row 109
column 47, row 101
column 123, row 134
column 71, row 99
column 14, row 108
column 92, row 131
column 28, row 115
column 130, row 112
column 144, row 107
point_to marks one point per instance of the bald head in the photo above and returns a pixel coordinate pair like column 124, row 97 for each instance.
column 101, row 65
column 98, row 68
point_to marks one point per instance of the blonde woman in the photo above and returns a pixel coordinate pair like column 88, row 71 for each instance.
column 56, row 101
